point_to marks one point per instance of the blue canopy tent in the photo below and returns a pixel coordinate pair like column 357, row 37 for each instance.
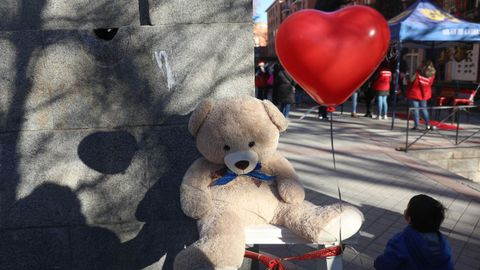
column 425, row 23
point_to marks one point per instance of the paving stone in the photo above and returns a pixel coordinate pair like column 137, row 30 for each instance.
column 463, row 165
column 466, row 153
column 463, row 266
column 468, row 261
column 402, row 186
column 456, row 243
column 464, row 228
column 452, row 215
column 471, row 250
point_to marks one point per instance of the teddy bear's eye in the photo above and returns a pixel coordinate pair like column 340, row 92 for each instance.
column 226, row 148
column 251, row 144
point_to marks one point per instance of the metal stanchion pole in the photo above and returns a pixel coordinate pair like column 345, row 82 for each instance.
column 396, row 84
column 408, row 128
column 457, row 116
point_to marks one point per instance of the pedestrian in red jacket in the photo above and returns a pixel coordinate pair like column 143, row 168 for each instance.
column 381, row 85
column 261, row 78
column 420, row 91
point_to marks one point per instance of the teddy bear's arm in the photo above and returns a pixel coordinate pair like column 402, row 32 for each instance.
column 288, row 185
column 195, row 196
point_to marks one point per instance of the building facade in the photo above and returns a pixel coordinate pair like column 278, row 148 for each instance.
column 468, row 10
column 279, row 10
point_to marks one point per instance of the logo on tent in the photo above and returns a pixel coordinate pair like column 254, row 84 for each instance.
column 437, row 15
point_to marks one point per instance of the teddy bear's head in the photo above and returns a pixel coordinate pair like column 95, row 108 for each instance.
column 237, row 131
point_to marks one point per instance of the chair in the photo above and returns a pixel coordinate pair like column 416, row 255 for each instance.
column 465, row 97
column 451, row 97
column 444, row 98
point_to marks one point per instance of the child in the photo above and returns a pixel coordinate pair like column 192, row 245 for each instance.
column 420, row 245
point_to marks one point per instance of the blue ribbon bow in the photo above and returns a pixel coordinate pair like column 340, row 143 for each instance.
column 256, row 173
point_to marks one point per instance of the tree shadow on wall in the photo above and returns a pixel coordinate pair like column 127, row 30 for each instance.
column 108, row 152
column 46, row 230
column 166, row 230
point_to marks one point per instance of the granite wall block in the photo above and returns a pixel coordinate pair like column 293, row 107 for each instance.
column 35, row 248
column 93, row 124
column 72, row 79
column 20, row 15
column 209, row 11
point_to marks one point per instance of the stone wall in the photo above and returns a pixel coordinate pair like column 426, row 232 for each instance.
column 93, row 137
column 462, row 161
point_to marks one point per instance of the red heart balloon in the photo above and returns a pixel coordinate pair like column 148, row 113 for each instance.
column 330, row 55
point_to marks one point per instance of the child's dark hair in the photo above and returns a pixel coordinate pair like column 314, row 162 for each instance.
column 426, row 214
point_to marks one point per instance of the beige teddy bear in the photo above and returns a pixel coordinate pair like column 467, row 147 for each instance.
column 243, row 180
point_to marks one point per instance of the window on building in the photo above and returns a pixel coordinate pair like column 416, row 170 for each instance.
column 472, row 4
column 449, row 5
column 413, row 58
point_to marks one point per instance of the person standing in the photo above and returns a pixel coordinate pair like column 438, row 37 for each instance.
column 275, row 69
column 403, row 78
column 381, row 85
column 420, row 91
column 261, row 78
column 354, row 98
column 286, row 90
column 322, row 112
column 368, row 95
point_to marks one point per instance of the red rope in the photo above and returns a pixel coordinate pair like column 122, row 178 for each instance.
column 276, row 263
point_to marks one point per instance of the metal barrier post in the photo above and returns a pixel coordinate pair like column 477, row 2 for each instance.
column 454, row 115
column 457, row 116
column 408, row 128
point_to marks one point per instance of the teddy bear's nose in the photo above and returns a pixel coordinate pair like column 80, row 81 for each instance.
column 242, row 164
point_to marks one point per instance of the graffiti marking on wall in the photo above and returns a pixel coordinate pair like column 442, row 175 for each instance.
column 162, row 62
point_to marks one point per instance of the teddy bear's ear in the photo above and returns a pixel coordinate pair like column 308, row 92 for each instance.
column 275, row 115
column 199, row 115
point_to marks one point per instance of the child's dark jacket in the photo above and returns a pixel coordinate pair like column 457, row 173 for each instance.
column 412, row 250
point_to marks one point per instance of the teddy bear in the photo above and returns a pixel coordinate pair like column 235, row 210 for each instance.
column 241, row 180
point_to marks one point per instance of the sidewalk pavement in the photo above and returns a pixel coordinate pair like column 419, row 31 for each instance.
column 379, row 180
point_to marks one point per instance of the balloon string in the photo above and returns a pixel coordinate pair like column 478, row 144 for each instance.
column 331, row 140
column 338, row 184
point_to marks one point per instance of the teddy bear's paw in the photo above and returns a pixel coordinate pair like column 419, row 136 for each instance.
column 291, row 192
column 342, row 226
